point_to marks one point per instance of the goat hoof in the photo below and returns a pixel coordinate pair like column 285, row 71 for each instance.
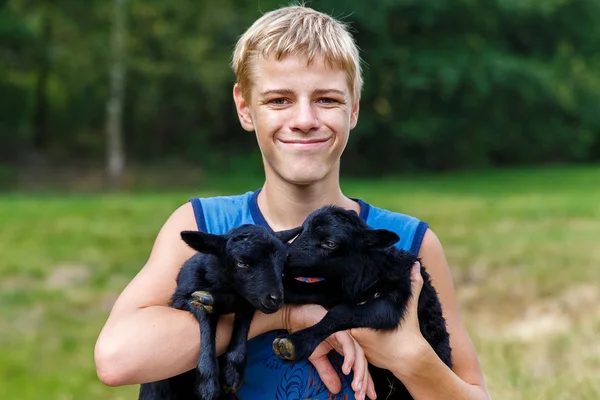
column 230, row 389
column 284, row 348
column 204, row 297
column 202, row 307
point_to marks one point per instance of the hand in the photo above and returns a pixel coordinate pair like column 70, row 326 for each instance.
column 354, row 359
column 388, row 349
column 300, row 317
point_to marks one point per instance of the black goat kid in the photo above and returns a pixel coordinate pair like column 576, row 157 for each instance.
column 366, row 283
column 243, row 270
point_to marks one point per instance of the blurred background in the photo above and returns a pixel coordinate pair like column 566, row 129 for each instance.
column 481, row 117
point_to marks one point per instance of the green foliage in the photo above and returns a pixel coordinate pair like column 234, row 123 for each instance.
column 449, row 84
column 472, row 83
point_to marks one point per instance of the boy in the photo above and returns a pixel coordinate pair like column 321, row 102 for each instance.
column 298, row 88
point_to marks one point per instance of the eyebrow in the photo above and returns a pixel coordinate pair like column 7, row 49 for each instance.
column 329, row 91
column 287, row 92
column 277, row 91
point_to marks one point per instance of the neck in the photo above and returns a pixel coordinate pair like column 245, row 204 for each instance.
column 285, row 205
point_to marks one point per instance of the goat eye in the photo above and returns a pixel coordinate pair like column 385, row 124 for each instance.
column 243, row 237
column 329, row 245
column 241, row 264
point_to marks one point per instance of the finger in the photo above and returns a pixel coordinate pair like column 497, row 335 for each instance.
column 416, row 277
column 371, row 388
column 360, row 368
column 328, row 375
column 417, row 284
column 366, row 377
column 368, row 384
column 345, row 346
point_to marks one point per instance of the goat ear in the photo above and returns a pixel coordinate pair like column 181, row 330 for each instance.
column 286, row 236
column 380, row 238
column 204, row 242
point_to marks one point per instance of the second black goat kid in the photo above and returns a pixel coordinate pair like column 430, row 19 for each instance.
column 366, row 284
column 238, row 272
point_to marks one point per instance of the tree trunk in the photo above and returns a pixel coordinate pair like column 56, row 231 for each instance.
column 40, row 140
column 115, row 153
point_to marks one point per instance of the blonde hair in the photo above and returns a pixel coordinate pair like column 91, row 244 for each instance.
column 297, row 31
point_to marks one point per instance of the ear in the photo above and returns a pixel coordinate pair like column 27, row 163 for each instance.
column 204, row 242
column 286, row 236
column 380, row 238
column 243, row 109
column 354, row 113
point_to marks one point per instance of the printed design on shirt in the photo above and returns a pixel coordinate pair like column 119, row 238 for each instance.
column 301, row 381
column 272, row 362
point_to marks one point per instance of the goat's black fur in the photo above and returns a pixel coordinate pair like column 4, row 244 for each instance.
column 367, row 283
column 237, row 272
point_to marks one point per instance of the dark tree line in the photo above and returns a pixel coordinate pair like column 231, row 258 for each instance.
column 449, row 83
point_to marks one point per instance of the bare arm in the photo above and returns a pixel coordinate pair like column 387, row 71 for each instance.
column 406, row 353
column 144, row 339
column 465, row 380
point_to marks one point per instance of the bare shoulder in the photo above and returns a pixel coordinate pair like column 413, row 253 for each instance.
column 464, row 357
column 156, row 281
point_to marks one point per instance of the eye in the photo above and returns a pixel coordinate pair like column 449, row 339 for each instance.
column 329, row 245
column 328, row 101
column 241, row 264
column 280, row 101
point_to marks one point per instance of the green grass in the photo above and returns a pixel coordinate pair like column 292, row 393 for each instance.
column 522, row 244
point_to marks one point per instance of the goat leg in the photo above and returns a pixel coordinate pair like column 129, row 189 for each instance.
column 208, row 387
column 379, row 313
column 234, row 358
column 219, row 303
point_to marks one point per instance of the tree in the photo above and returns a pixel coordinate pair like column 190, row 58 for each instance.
column 115, row 153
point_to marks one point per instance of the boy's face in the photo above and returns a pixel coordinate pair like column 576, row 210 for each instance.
column 302, row 116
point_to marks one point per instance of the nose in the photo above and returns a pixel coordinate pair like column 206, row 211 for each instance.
column 274, row 300
column 305, row 117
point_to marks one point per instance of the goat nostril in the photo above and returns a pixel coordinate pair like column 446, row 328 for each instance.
column 274, row 298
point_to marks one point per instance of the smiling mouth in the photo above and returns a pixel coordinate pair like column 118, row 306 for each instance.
column 310, row 141
column 305, row 144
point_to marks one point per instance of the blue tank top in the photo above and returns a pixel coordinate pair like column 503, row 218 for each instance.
column 267, row 376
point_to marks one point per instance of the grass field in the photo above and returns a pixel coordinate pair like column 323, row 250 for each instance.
column 524, row 247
